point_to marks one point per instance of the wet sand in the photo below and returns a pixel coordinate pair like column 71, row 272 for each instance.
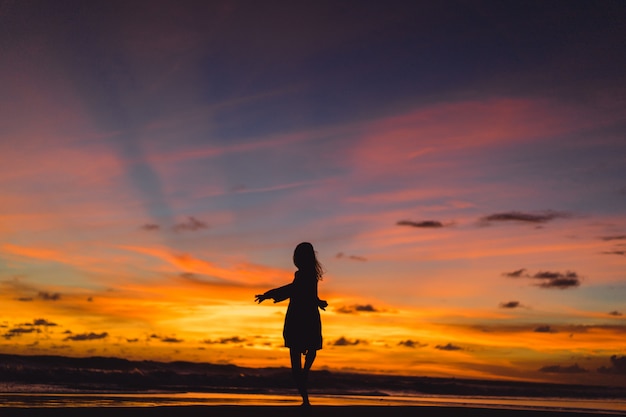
column 285, row 411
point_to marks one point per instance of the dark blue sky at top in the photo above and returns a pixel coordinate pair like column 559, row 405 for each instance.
column 317, row 63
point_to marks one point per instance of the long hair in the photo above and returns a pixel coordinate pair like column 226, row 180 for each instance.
column 304, row 259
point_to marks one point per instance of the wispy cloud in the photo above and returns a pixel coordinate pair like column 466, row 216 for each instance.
column 226, row 340
column 342, row 341
column 190, row 225
column 150, row 227
column 515, row 274
column 449, row 347
column 47, row 296
column 614, row 252
column 43, row 322
column 412, row 344
column 559, row 369
column 426, row 224
column 81, row 337
column 341, row 255
column 544, row 329
column 558, row 280
column 510, row 304
column 357, row 308
column 524, row 217
column 549, row 279
column 613, row 237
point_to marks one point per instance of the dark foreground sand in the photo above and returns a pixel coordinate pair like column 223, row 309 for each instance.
column 284, row 411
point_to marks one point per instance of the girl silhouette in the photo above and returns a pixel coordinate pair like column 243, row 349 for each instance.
column 303, row 327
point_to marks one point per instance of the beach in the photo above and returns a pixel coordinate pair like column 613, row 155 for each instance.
column 288, row 411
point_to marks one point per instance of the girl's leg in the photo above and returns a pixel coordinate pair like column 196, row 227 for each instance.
column 298, row 375
column 308, row 359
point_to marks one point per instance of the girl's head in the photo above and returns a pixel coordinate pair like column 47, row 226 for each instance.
column 304, row 259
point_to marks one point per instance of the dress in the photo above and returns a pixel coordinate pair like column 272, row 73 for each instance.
column 303, row 325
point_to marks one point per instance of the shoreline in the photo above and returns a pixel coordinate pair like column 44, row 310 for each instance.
column 291, row 410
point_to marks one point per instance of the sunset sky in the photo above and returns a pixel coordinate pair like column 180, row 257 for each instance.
column 459, row 166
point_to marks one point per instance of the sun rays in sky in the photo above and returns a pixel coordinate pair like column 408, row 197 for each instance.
column 459, row 169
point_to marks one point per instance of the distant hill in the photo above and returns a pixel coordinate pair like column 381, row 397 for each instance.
column 117, row 374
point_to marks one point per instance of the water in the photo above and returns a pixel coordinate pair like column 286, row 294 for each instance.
column 153, row 399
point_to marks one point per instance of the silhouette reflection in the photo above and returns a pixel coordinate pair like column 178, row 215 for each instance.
column 302, row 331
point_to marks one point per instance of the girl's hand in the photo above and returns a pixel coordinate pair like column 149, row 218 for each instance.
column 259, row 298
column 322, row 304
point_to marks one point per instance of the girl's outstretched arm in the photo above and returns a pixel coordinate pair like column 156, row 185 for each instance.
column 277, row 294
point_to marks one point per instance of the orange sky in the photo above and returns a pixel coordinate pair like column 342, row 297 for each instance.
column 466, row 198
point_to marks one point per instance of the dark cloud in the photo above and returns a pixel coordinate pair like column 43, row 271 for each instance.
column 341, row 255
column 618, row 366
column 25, row 299
column 150, row 227
column 615, row 313
column 135, row 340
column 86, row 336
column 412, row 344
column 18, row 331
column 516, row 274
column 550, row 279
column 614, row 237
column 427, row 224
column 521, row 217
column 43, row 322
column 558, row 369
column 357, row 308
column 191, row 225
column 342, row 341
column 46, row 296
column 90, row 299
column 449, row 347
column 544, row 329
column 171, row 340
column 558, row 280
column 226, row 340
column 510, row 304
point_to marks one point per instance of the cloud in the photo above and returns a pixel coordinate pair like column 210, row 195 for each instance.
column 150, row 227
column 166, row 339
column 25, row 299
column 614, row 237
column 510, row 304
column 521, row 217
column 411, row 344
column 357, row 308
column 426, row 224
column 18, row 331
column 560, row 280
column 544, row 329
column 341, row 255
column 615, row 313
column 171, row 340
column 46, row 296
column 226, row 340
column 448, row 347
column 135, row 340
column 86, row 336
column 557, row 279
column 618, row 366
column 43, row 322
column 558, row 369
column 191, row 225
column 515, row 274
column 614, row 252
column 342, row 341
